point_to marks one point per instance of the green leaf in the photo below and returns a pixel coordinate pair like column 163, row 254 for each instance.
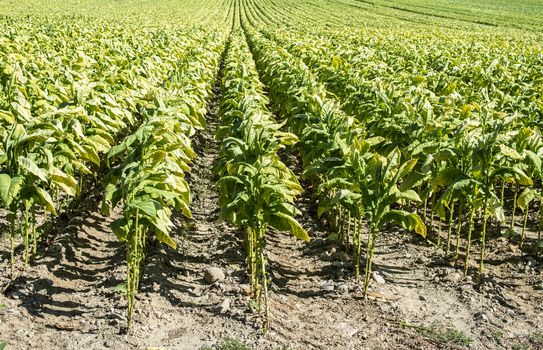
column 409, row 221
column 535, row 161
column 45, row 200
column 373, row 141
column 510, row 152
column 499, row 213
column 521, row 176
column 149, row 207
column 7, row 117
column 65, row 181
column 22, row 111
column 411, row 180
column 406, row 167
column 162, row 224
column 409, row 195
column 9, row 188
column 525, row 198
column 91, row 155
column 446, row 177
column 295, row 228
column 120, row 228
column 31, row 167
column 345, row 197
column 166, row 239
column 98, row 142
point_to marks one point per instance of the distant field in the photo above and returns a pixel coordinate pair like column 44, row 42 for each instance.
column 501, row 13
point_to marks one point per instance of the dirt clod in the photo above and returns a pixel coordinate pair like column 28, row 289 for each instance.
column 214, row 274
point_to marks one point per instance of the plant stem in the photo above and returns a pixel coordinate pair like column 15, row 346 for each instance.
column 12, row 244
column 483, row 240
column 358, row 230
column 439, row 228
column 265, row 287
column 514, row 207
column 468, row 244
column 57, row 195
column 449, row 230
column 251, row 260
column 132, row 268
column 348, row 238
column 459, row 229
column 369, row 258
column 33, row 223
column 425, row 209
column 339, row 225
column 526, row 211
column 26, row 228
column 502, row 193
column 432, row 209
column 538, row 248
column 43, row 227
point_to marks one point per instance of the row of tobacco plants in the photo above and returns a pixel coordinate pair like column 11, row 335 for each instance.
column 352, row 180
column 257, row 190
column 474, row 130
column 129, row 112
column 147, row 176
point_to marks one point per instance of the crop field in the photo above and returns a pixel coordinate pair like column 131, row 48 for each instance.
column 271, row 174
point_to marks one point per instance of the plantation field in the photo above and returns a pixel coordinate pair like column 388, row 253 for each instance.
column 271, row 174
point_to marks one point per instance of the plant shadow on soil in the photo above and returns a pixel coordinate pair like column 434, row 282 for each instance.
column 74, row 257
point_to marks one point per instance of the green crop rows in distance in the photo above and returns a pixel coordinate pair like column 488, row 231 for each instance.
column 426, row 118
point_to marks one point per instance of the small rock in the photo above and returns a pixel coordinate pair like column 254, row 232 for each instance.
column 108, row 343
column 327, row 286
column 453, row 277
column 343, row 288
column 422, row 298
column 378, row 278
column 214, row 274
column 420, row 260
column 223, row 307
column 348, row 330
column 480, row 316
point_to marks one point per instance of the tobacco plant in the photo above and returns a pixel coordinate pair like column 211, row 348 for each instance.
column 257, row 190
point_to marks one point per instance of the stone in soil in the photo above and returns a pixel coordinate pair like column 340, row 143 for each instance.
column 214, row 274
column 378, row 278
column 223, row 307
